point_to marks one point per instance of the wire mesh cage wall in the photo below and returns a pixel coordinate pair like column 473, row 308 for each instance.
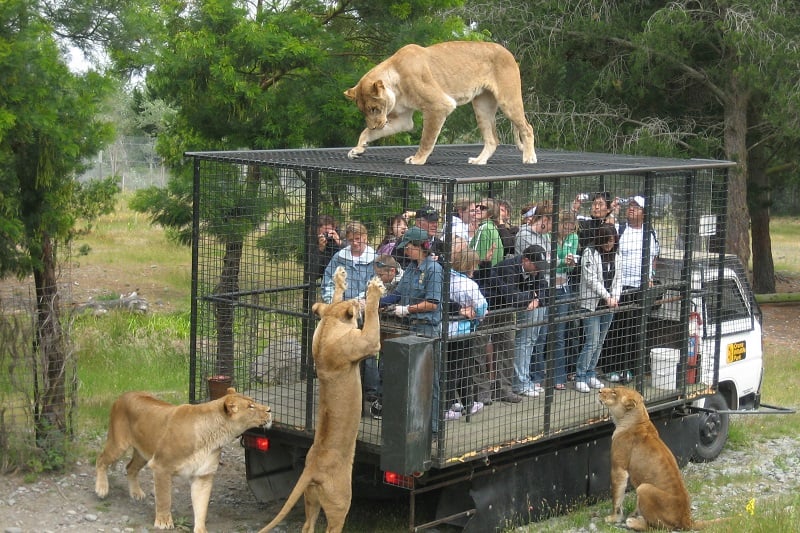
column 517, row 375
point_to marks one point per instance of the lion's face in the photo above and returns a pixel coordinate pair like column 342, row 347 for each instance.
column 375, row 101
column 346, row 311
column 621, row 402
column 246, row 412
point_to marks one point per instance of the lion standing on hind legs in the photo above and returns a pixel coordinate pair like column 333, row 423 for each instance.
column 338, row 347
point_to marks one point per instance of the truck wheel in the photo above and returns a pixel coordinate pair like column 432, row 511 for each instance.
column 713, row 431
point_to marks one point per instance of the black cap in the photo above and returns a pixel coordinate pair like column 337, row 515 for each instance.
column 428, row 213
column 537, row 255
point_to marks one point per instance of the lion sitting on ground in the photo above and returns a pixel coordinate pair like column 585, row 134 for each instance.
column 640, row 456
column 435, row 80
column 338, row 347
column 175, row 440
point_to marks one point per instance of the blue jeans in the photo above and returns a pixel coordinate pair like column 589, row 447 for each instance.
column 563, row 332
column 595, row 329
column 373, row 377
column 528, row 343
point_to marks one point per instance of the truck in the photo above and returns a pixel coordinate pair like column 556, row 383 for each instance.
column 695, row 348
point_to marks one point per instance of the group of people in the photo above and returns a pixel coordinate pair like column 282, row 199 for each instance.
column 499, row 293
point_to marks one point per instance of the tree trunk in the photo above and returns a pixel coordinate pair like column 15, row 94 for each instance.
column 225, row 308
column 759, row 201
column 50, row 405
column 738, row 223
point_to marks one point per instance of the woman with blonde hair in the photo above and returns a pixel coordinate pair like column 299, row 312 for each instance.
column 356, row 258
column 463, row 371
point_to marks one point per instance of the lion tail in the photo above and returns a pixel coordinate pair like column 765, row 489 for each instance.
column 702, row 524
column 297, row 491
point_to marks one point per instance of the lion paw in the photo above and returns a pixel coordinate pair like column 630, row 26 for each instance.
column 164, row 522
column 101, row 489
column 340, row 278
column 136, row 493
column 375, row 284
column 636, row 523
column 614, row 519
column 356, row 152
column 415, row 160
column 476, row 161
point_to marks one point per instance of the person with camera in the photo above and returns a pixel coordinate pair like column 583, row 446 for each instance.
column 328, row 243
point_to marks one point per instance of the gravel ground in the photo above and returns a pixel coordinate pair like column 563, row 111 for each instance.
column 66, row 501
column 775, row 464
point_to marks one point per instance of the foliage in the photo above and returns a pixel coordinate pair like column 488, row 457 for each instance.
column 49, row 127
column 698, row 79
column 273, row 76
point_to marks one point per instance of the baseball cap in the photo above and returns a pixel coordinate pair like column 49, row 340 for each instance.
column 638, row 200
column 414, row 234
column 537, row 255
column 428, row 213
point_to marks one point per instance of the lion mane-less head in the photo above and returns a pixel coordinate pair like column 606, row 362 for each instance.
column 375, row 100
column 347, row 311
column 244, row 410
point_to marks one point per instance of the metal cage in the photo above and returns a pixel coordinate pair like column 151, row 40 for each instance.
column 255, row 278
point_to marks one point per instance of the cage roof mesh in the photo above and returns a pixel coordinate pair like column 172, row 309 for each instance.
column 449, row 162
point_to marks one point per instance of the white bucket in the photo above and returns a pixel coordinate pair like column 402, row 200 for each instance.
column 664, row 363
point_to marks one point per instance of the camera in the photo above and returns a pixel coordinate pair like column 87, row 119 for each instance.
column 583, row 196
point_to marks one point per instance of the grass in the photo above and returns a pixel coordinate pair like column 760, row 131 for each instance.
column 121, row 351
column 784, row 233
column 781, row 381
column 127, row 253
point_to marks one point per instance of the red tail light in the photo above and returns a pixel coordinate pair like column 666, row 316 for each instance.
column 256, row 442
column 398, row 480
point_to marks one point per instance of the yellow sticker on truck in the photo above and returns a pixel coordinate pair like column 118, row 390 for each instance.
column 737, row 351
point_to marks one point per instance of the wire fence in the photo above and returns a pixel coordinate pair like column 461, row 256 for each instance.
column 519, row 331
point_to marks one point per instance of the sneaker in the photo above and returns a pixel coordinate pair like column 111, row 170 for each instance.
column 476, row 407
column 613, row 377
column 626, row 376
column 560, row 386
column 511, row 398
column 452, row 415
column 457, row 407
column 538, row 388
column 376, row 410
column 581, row 386
column 595, row 383
column 530, row 393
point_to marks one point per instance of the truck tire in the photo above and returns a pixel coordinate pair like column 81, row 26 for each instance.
column 713, row 432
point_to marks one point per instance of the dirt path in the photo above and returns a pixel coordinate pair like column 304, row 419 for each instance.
column 66, row 502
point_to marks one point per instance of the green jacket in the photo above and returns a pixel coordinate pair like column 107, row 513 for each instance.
column 485, row 236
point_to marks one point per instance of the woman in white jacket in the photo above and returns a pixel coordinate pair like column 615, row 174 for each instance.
column 600, row 289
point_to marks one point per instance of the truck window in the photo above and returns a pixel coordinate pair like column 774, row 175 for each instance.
column 734, row 309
